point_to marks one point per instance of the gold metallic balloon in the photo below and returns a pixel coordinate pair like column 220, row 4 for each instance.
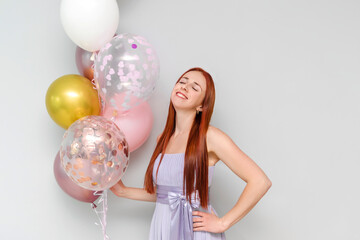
column 71, row 97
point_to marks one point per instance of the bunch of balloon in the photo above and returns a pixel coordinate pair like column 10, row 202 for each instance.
column 94, row 152
column 125, row 73
column 89, row 24
column 104, row 110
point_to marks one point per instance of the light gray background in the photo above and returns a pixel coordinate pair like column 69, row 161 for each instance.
column 287, row 84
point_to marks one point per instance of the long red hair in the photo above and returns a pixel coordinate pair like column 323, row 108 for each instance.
column 196, row 155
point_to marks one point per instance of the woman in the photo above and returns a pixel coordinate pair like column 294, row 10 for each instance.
column 180, row 171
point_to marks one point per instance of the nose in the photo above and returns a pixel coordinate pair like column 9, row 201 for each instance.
column 184, row 86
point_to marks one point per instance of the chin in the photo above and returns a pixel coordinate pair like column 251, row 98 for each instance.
column 179, row 104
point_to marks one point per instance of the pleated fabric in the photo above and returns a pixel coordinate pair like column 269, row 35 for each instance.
column 171, row 174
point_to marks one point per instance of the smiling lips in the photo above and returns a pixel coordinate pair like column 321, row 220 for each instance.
column 181, row 95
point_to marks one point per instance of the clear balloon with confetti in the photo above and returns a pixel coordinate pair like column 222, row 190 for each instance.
column 94, row 153
column 126, row 70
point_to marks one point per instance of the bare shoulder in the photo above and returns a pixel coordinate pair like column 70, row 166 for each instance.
column 213, row 136
column 225, row 149
column 213, row 131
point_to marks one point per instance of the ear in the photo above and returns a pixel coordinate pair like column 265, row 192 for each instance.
column 199, row 109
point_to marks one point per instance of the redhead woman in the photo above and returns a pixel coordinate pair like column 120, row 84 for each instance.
column 179, row 174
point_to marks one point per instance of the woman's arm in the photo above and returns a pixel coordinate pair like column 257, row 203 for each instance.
column 244, row 167
column 120, row 190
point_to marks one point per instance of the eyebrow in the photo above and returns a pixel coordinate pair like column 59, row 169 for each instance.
column 194, row 82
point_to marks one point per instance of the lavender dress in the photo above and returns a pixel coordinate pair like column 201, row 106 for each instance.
column 172, row 219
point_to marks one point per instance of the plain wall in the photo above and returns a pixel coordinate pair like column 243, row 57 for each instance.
column 287, row 92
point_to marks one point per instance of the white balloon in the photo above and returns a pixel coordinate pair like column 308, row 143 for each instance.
column 90, row 24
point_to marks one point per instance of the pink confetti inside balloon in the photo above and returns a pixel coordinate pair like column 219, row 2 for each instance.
column 94, row 153
column 127, row 65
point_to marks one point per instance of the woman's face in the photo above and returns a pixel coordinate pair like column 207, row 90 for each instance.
column 189, row 92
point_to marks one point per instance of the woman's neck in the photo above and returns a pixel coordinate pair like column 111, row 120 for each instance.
column 183, row 123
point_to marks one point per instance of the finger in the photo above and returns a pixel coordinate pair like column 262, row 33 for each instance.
column 198, row 213
column 195, row 212
column 199, row 229
column 196, row 225
column 197, row 219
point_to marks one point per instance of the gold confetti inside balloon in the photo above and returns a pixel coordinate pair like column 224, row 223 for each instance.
column 70, row 98
column 94, row 153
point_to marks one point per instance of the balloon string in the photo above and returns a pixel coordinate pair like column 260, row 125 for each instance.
column 93, row 55
column 93, row 58
column 101, row 214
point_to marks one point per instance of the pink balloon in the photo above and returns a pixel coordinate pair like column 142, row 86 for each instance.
column 136, row 123
column 68, row 186
column 84, row 63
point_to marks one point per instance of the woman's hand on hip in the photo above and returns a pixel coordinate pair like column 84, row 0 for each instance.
column 208, row 222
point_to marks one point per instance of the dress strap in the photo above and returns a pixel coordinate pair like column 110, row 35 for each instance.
column 181, row 210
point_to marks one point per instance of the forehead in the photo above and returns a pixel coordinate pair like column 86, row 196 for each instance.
column 196, row 76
